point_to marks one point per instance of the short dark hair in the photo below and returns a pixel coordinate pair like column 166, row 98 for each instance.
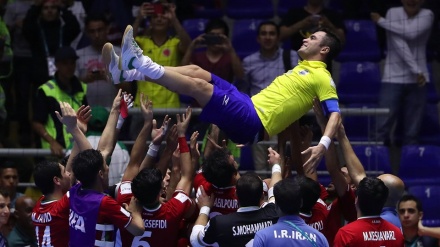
column 333, row 42
column 44, row 172
column 4, row 193
column 288, row 196
column 310, row 191
column 147, row 185
column 272, row 23
column 409, row 197
column 217, row 169
column 96, row 17
column 217, row 24
column 372, row 194
column 249, row 190
column 7, row 165
column 86, row 166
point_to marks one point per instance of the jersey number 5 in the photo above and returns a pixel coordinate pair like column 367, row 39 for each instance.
column 140, row 241
column 45, row 242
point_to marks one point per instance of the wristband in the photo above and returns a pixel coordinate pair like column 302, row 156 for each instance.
column 120, row 122
column 153, row 149
column 205, row 210
column 276, row 168
column 183, row 145
column 270, row 193
column 325, row 140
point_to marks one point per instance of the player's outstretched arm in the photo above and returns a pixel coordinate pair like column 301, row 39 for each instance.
column 331, row 156
column 187, row 169
column 140, row 145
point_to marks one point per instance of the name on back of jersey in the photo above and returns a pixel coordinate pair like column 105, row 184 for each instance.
column 225, row 203
column 378, row 235
column 250, row 228
column 41, row 218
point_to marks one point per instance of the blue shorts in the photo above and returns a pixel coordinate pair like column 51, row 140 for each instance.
column 233, row 112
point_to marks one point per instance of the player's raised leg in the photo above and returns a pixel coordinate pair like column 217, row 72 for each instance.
column 132, row 58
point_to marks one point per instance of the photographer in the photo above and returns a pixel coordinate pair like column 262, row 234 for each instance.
column 219, row 57
column 165, row 47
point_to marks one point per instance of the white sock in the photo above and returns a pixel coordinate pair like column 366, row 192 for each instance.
column 133, row 75
column 149, row 68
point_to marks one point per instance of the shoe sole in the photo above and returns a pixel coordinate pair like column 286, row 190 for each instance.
column 127, row 29
column 107, row 50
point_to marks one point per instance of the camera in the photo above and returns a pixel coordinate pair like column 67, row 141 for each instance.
column 212, row 39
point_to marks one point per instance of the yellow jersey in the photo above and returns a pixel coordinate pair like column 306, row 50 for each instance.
column 291, row 95
column 165, row 55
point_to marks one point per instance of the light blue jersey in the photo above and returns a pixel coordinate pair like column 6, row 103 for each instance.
column 290, row 231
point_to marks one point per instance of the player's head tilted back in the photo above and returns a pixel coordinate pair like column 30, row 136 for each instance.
column 89, row 166
column 219, row 168
column 310, row 191
column 322, row 45
column 332, row 41
column 249, row 190
column 147, row 185
column 50, row 175
column 288, row 196
column 371, row 196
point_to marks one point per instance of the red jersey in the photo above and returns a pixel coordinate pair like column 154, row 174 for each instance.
column 162, row 224
column 341, row 210
column 369, row 231
column 318, row 217
column 225, row 201
column 51, row 221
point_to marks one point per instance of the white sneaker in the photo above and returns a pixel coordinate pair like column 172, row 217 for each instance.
column 111, row 60
column 131, row 53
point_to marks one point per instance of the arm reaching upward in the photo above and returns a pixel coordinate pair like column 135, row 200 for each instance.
column 331, row 156
column 109, row 136
column 186, row 167
column 140, row 145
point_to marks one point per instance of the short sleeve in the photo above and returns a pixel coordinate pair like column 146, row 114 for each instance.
column 115, row 214
column 124, row 193
column 326, row 88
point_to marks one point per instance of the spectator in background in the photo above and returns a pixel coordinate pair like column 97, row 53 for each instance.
column 219, row 57
column 120, row 156
column 90, row 68
column 5, row 203
column 22, row 64
column 300, row 23
column 23, row 233
column 403, row 89
column 166, row 49
column 9, row 182
column 411, row 213
column 48, row 27
column 261, row 68
column 64, row 87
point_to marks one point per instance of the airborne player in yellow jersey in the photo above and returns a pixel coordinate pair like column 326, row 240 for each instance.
column 244, row 119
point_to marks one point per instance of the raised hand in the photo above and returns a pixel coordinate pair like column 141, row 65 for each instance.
column 83, row 115
column 182, row 123
column 146, row 108
column 274, row 157
column 194, row 146
column 203, row 199
column 316, row 153
column 68, row 116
